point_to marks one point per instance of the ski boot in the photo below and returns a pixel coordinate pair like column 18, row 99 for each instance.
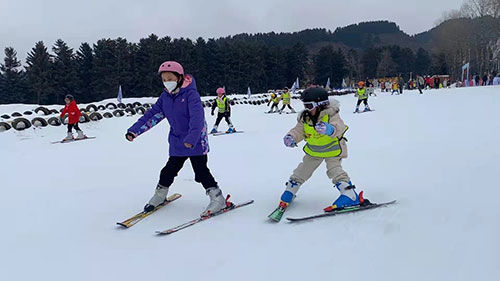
column 80, row 135
column 214, row 130
column 367, row 108
column 348, row 197
column 217, row 202
column 293, row 111
column 158, row 198
column 357, row 109
column 68, row 137
column 286, row 198
column 230, row 130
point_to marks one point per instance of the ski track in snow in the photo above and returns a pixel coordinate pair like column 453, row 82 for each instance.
column 437, row 154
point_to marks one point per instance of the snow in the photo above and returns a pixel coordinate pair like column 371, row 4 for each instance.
column 436, row 153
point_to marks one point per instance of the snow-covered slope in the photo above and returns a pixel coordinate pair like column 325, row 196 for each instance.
column 436, row 153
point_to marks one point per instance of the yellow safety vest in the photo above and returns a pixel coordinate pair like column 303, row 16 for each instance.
column 276, row 99
column 286, row 98
column 222, row 105
column 362, row 94
column 318, row 145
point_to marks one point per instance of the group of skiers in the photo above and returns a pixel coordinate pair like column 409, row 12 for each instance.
column 285, row 98
column 319, row 125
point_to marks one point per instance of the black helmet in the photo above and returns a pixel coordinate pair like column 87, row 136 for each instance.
column 315, row 94
column 70, row 97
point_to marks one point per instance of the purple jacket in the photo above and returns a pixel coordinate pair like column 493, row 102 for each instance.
column 186, row 117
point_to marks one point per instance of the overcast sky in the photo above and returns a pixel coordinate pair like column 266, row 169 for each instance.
column 24, row 22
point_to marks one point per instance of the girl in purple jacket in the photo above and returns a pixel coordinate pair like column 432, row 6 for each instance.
column 180, row 103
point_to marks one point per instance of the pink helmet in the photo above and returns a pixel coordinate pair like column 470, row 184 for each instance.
column 171, row 66
column 220, row 91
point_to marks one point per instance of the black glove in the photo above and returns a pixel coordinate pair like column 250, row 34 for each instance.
column 130, row 136
column 212, row 113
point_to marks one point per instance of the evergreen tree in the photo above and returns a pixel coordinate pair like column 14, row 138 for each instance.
column 422, row 62
column 330, row 63
column 386, row 67
column 438, row 64
column 12, row 82
column 83, row 85
column 296, row 58
column 369, row 62
column 64, row 72
column 39, row 73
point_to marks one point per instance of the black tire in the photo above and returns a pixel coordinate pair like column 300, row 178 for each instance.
column 118, row 113
column 121, row 105
column 130, row 110
column 129, row 105
column 21, row 124
column 91, row 108
column 101, row 107
column 245, row 102
column 84, row 118
column 54, row 111
column 27, row 112
column 140, row 110
column 39, row 122
column 111, row 106
column 95, row 116
column 5, row 116
column 54, row 121
column 42, row 109
column 231, row 102
column 107, row 115
column 137, row 104
column 146, row 105
column 4, row 126
column 16, row 114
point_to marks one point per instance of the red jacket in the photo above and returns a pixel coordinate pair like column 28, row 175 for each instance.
column 73, row 112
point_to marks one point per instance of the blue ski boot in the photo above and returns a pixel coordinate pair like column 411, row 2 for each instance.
column 348, row 197
column 214, row 130
column 230, row 130
column 367, row 108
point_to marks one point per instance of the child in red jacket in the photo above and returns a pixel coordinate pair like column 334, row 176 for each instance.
column 73, row 118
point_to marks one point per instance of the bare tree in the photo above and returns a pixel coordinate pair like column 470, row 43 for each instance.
column 481, row 8
column 448, row 15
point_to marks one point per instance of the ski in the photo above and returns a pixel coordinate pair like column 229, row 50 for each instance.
column 72, row 140
column 140, row 216
column 225, row 133
column 276, row 215
column 343, row 211
column 364, row 111
column 200, row 219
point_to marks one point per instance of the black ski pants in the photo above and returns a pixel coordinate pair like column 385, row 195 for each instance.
column 365, row 101
column 199, row 163
column 71, row 126
column 223, row 115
